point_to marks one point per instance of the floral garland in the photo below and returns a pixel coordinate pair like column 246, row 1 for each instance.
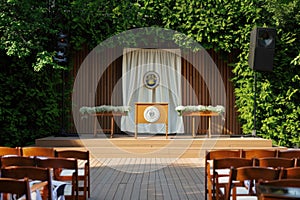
column 183, row 109
column 125, row 109
column 104, row 109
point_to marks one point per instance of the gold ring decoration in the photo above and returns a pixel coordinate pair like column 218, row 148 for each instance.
column 151, row 114
column 151, row 79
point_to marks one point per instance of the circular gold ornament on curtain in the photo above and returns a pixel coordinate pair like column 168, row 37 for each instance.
column 151, row 114
column 151, row 79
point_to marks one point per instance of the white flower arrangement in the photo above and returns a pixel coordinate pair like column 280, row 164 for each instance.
column 104, row 109
column 200, row 108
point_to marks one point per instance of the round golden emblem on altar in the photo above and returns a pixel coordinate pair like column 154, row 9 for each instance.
column 151, row 79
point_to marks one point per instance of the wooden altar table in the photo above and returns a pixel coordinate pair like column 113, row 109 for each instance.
column 107, row 114
column 208, row 114
column 140, row 108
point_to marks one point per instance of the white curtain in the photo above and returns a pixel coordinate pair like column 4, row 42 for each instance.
column 167, row 64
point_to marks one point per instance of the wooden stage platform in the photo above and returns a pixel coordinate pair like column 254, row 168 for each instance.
column 145, row 146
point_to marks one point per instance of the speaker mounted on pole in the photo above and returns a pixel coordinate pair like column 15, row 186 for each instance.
column 262, row 49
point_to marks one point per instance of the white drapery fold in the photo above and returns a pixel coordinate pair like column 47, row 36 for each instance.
column 167, row 64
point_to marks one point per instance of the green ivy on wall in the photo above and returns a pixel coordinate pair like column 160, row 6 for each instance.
column 28, row 30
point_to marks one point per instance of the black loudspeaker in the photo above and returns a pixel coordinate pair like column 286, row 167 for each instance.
column 61, row 55
column 262, row 49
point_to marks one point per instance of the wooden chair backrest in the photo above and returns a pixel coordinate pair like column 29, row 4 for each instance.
column 32, row 173
column 259, row 153
column 250, row 174
column 281, row 182
column 275, row 162
column 10, row 151
column 291, row 153
column 254, row 173
column 14, row 186
column 290, row 173
column 222, row 153
column 55, row 163
column 17, row 161
column 37, row 151
column 227, row 163
column 78, row 154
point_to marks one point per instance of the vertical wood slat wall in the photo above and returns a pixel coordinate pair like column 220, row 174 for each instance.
column 109, row 91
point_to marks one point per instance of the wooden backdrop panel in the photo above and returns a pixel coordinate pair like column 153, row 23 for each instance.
column 109, row 90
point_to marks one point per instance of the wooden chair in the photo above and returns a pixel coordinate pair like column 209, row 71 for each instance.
column 42, row 175
column 281, row 182
column 290, row 173
column 221, row 169
column 275, row 162
column 5, row 151
column 37, row 151
column 291, row 153
column 57, row 164
column 83, row 173
column 273, row 190
column 258, row 153
column 17, row 161
column 14, row 186
column 238, row 176
column 209, row 157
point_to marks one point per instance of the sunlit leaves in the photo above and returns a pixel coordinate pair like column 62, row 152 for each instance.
column 278, row 91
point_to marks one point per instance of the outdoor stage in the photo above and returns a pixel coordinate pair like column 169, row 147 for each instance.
column 124, row 146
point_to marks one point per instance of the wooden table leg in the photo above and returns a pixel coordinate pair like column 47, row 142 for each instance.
column 193, row 126
column 95, row 126
column 166, row 131
column 209, row 127
column 112, row 127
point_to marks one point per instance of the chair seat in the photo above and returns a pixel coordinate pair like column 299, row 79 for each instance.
column 241, row 191
column 9, row 155
column 221, row 171
column 34, row 195
column 222, row 180
column 58, row 189
column 246, row 198
column 69, row 172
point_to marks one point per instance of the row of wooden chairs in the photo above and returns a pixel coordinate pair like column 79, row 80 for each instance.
column 253, row 153
column 243, row 157
column 254, row 175
column 34, row 156
column 32, row 167
column 219, row 175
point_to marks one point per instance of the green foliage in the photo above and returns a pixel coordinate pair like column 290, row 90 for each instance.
column 31, row 82
column 222, row 25
column 29, row 103
column 278, row 91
